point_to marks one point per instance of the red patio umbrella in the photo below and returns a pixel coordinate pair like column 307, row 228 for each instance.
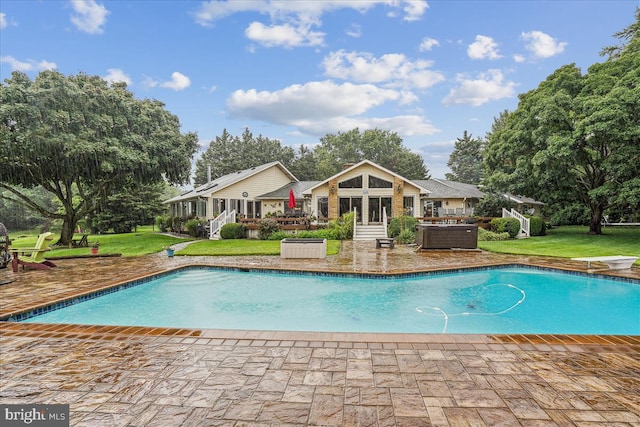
column 292, row 199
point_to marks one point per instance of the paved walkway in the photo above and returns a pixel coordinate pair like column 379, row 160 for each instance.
column 128, row 376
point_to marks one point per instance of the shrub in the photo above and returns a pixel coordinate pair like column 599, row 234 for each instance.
column 576, row 214
column 402, row 223
column 406, row 236
column 343, row 226
column 509, row 225
column 233, row 230
column 192, row 227
column 326, row 233
column 278, row 235
column 266, row 227
column 488, row 236
column 537, row 226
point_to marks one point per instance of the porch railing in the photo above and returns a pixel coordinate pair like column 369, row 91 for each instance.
column 216, row 224
column 525, row 227
column 384, row 222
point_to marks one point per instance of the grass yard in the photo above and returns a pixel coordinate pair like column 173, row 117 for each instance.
column 243, row 247
column 145, row 241
column 142, row 242
column 573, row 242
column 564, row 242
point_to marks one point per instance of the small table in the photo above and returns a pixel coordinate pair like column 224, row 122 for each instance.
column 385, row 242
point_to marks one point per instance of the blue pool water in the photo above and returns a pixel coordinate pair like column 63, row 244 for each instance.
column 505, row 300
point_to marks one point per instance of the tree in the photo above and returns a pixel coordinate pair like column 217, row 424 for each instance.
column 380, row 146
column 81, row 139
column 123, row 211
column 465, row 160
column 228, row 154
column 305, row 165
column 575, row 136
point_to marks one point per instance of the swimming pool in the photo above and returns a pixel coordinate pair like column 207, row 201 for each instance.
column 495, row 300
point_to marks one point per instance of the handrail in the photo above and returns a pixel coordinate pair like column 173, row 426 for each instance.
column 384, row 221
column 355, row 217
column 525, row 226
column 218, row 222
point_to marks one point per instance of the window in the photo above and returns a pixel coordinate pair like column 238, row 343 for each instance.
column 355, row 182
column 202, row 208
column 375, row 182
column 407, row 205
column 323, row 207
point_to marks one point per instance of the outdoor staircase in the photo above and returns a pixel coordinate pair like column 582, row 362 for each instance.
column 369, row 232
column 524, row 222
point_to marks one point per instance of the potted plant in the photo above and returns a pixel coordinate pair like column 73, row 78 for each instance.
column 94, row 248
column 170, row 250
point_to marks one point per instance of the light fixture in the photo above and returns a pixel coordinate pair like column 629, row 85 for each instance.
column 333, row 189
column 399, row 188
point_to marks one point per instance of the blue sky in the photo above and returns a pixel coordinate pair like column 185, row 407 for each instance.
column 297, row 70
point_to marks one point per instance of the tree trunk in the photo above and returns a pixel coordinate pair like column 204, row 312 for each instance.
column 68, row 229
column 595, row 227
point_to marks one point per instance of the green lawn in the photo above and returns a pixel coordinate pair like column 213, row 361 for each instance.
column 564, row 242
column 573, row 242
column 145, row 241
column 244, row 247
column 142, row 242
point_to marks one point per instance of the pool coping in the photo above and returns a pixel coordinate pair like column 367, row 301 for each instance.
column 9, row 326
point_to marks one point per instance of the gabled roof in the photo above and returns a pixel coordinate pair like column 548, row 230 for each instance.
column 443, row 189
column 357, row 165
column 283, row 192
column 226, row 180
column 521, row 199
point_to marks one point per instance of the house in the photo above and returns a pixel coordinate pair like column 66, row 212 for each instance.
column 449, row 198
column 524, row 205
column 372, row 191
column 237, row 192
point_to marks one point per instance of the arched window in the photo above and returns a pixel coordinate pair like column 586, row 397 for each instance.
column 375, row 182
column 355, row 182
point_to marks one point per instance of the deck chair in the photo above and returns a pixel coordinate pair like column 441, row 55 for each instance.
column 35, row 258
column 82, row 243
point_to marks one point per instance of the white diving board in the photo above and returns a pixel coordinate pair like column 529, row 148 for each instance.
column 615, row 262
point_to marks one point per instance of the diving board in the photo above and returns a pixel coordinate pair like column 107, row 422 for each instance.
column 615, row 262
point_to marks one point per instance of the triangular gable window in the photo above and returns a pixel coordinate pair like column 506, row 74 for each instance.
column 375, row 182
column 355, row 182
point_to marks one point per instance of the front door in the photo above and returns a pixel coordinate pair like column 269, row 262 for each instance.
column 375, row 208
column 347, row 204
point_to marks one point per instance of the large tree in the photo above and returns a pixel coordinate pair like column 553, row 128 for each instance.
column 81, row 139
column 228, row 154
column 380, row 146
column 465, row 160
column 576, row 136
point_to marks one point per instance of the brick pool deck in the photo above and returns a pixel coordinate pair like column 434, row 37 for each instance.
column 134, row 376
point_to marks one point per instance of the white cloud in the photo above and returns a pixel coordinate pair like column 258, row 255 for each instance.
column 210, row 11
column 428, row 43
column 414, row 9
column 483, row 48
column 392, row 70
column 178, row 82
column 90, row 16
column 542, row 45
column 115, row 75
column 490, row 86
column 3, row 20
column 285, row 35
column 518, row 58
column 354, row 31
column 324, row 106
column 28, row 65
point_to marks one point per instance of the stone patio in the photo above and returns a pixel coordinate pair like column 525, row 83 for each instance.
column 134, row 376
